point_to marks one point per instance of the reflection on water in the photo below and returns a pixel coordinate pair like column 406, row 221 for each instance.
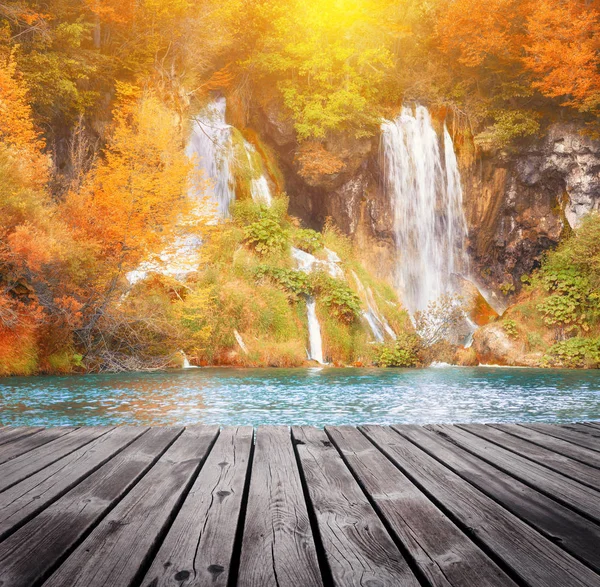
column 303, row 396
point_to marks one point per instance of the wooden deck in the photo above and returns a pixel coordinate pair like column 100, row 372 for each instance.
column 473, row 505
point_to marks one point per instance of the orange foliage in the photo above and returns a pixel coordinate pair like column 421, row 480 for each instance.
column 315, row 160
column 563, row 46
column 113, row 11
column 555, row 42
column 478, row 30
column 132, row 199
column 18, row 350
column 17, row 130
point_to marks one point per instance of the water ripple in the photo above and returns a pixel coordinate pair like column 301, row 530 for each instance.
column 303, row 396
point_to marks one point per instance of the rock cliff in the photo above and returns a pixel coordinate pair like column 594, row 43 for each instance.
column 517, row 204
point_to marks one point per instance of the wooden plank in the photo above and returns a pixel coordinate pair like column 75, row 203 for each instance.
column 582, row 429
column 29, row 555
column 579, row 453
column 441, row 552
column 199, row 547
column 278, row 549
column 537, row 561
column 571, row 493
column 116, row 551
column 594, row 425
column 29, row 463
column 29, row 442
column 10, row 434
column 23, row 500
column 358, row 549
column 571, row 531
column 556, row 462
column 565, row 434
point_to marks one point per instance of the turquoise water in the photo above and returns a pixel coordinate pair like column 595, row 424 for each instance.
column 303, row 396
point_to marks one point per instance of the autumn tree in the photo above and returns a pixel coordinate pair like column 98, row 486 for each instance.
column 132, row 202
column 562, row 50
column 33, row 245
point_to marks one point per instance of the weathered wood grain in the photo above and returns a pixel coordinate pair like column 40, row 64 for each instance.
column 579, row 453
column 441, row 551
column 567, row 491
column 552, row 460
column 358, row 548
column 30, row 554
column 582, row 429
column 116, row 551
column 537, row 561
column 10, row 434
column 25, row 499
column 573, row 532
column 29, row 463
column 278, row 548
column 31, row 441
column 199, row 546
column 445, row 506
column 566, row 434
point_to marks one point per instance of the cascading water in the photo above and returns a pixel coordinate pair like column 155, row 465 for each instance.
column 211, row 146
column 307, row 263
column 220, row 151
column 375, row 319
column 314, row 331
column 429, row 223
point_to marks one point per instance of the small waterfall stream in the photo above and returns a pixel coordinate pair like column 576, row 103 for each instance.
column 219, row 151
column 308, row 263
column 314, row 331
column 211, row 146
column 375, row 319
column 425, row 190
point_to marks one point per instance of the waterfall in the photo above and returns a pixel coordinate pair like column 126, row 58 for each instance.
column 426, row 195
column 186, row 362
column 211, row 146
column 314, row 331
column 221, row 153
column 259, row 186
column 307, row 263
column 375, row 319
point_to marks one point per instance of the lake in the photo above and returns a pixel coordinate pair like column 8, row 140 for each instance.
column 313, row 396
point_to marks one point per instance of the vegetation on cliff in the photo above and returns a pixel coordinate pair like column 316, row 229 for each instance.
column 556, row 319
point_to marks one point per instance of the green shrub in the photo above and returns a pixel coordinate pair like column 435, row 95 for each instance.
column 574, row 353
column 307, row 240
column 535, row 341
column 266, row 236
column 341, row 301
column 246, row 212
column 404, row 352
column 510, row 327
column 294, row 283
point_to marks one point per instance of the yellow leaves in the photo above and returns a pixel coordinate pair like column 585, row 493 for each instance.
column 113, row 11
column 131, row 203
column 17, row 130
